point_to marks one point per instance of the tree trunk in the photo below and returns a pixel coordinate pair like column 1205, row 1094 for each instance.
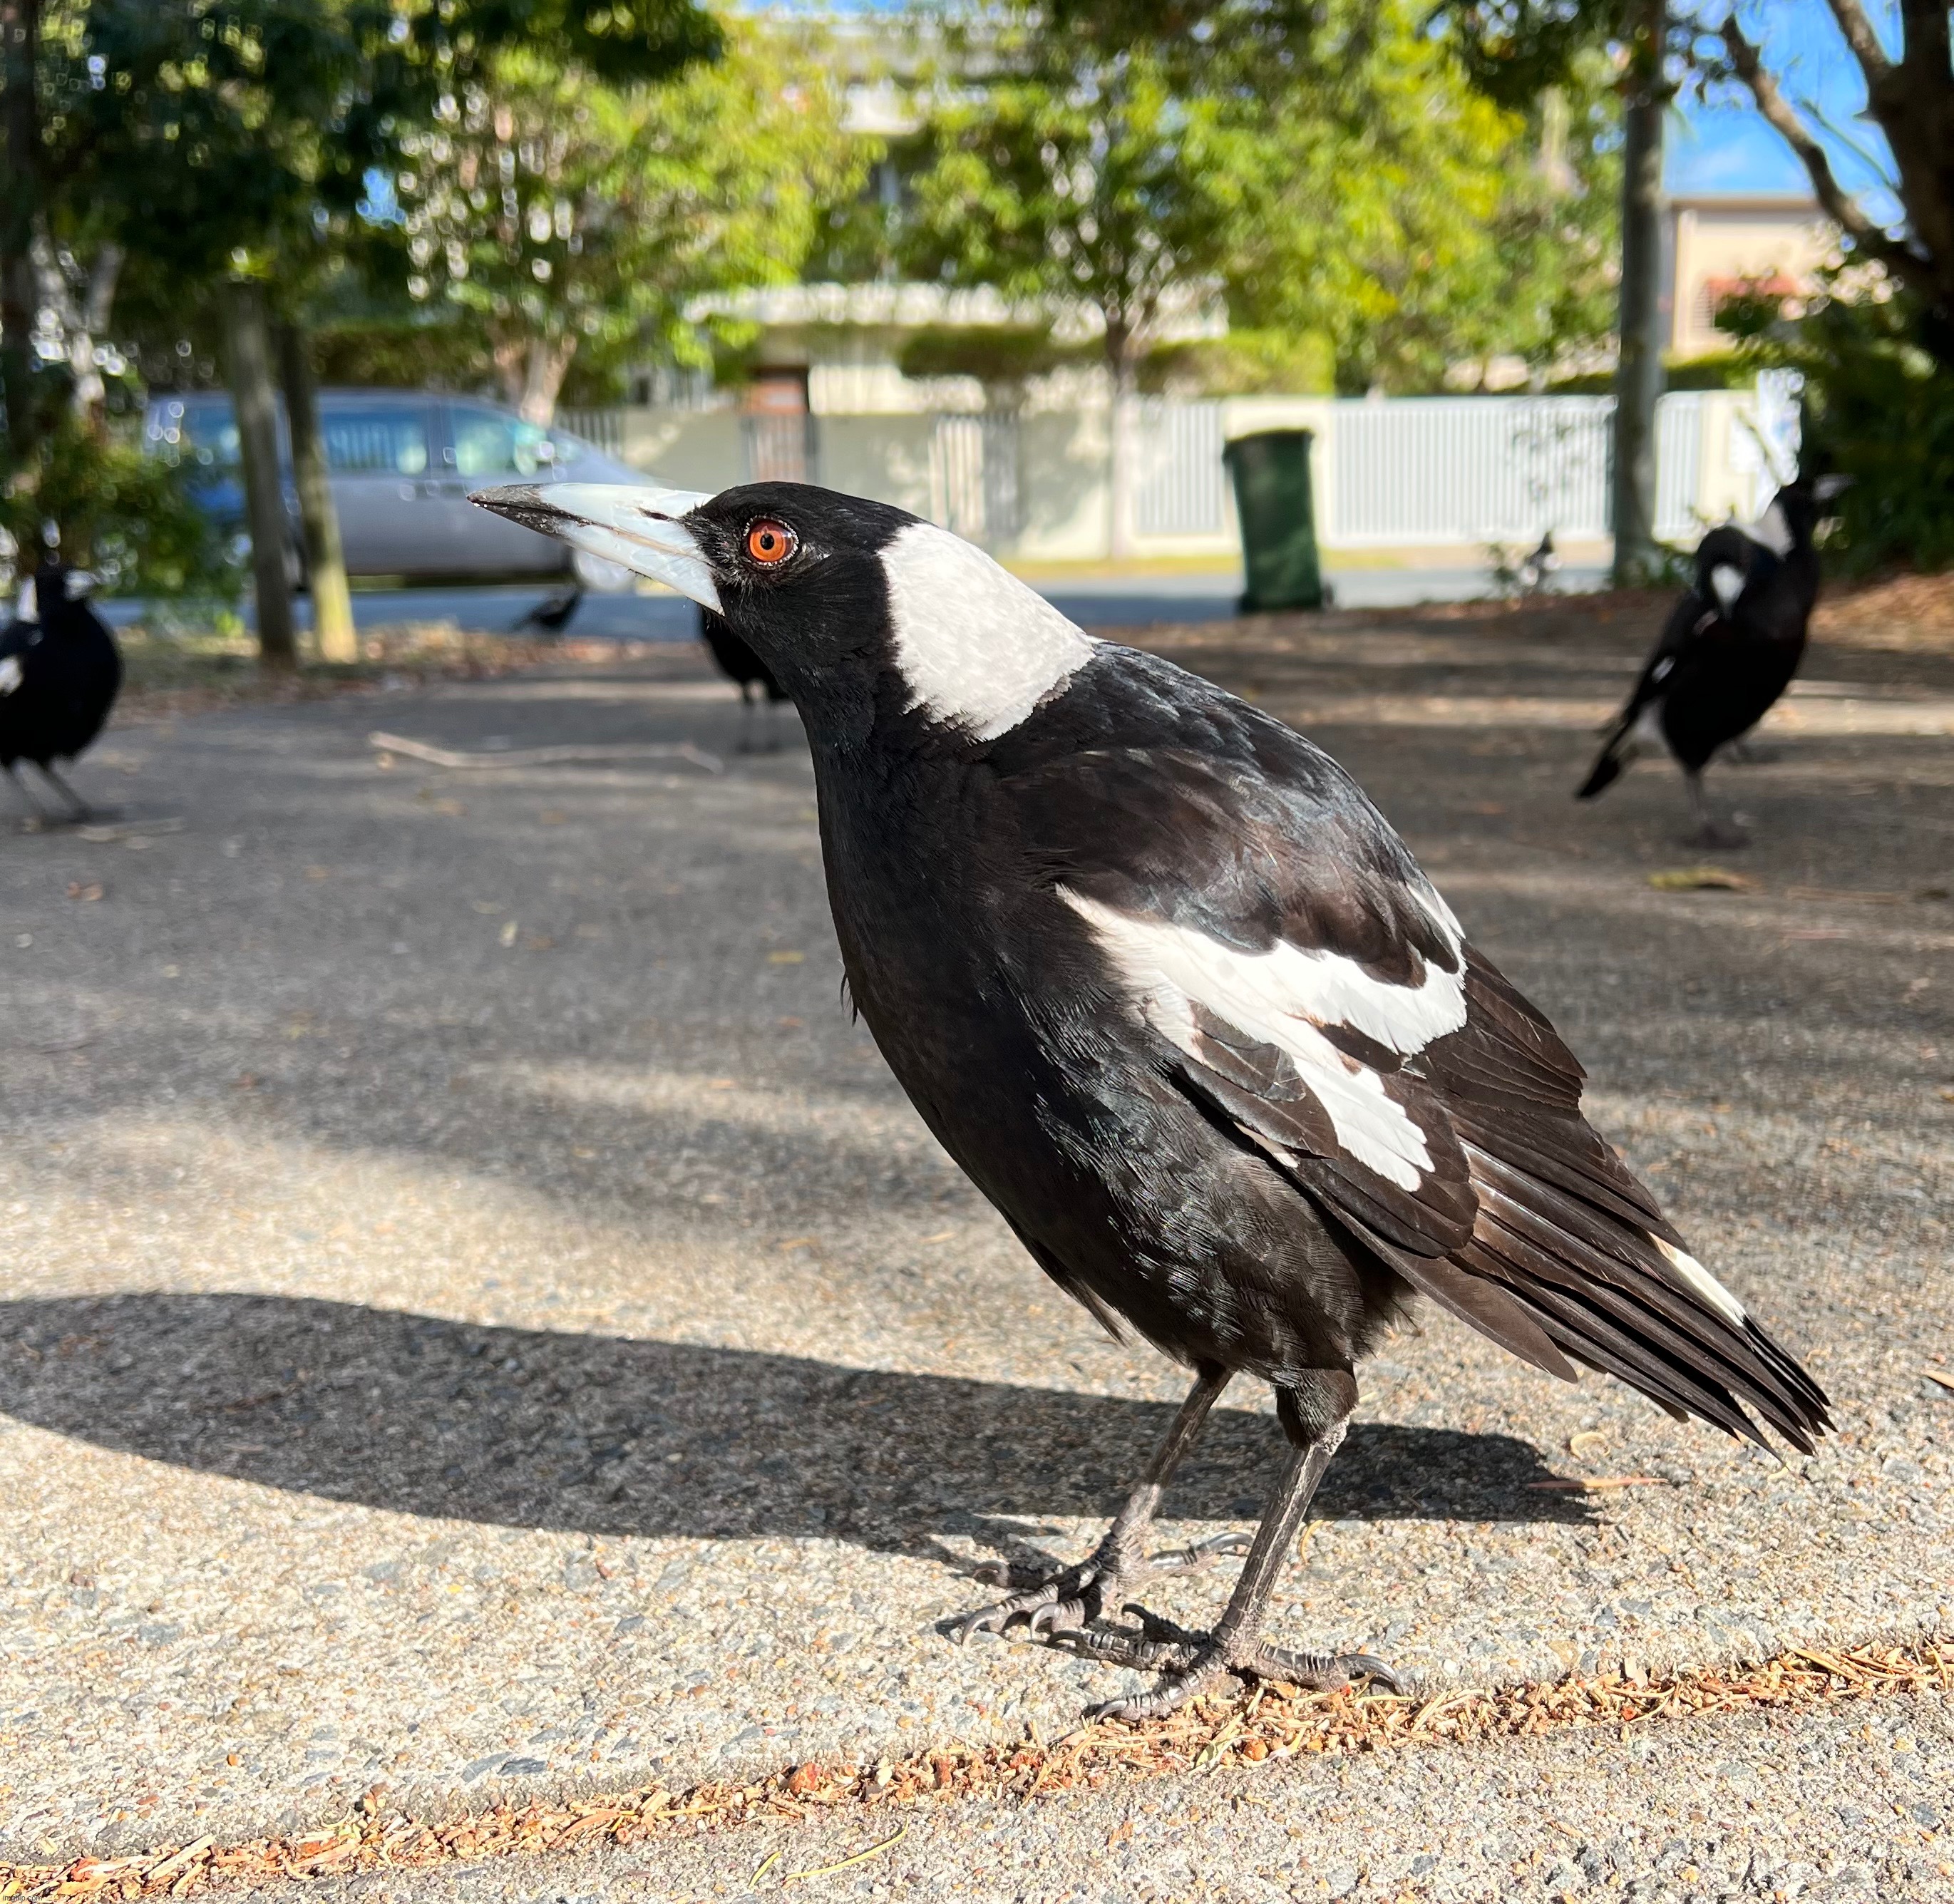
column 547, row 363
column 1125, row 444
column 82, row 321
column 510, row 355
column 89, row 397
column 20, row 201
column 248, row 363
column 319, row 518
column 1638, row 377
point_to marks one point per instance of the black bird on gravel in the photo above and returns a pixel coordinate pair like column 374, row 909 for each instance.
column 1728, row 650
column 748, row 673
column 59, row 672
column 1171, row 991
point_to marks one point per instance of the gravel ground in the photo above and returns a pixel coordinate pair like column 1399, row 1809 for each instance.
column 1847, row 1806
column 479, row 1320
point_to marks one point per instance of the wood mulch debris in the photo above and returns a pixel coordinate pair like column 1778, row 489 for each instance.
column 1275, row 1723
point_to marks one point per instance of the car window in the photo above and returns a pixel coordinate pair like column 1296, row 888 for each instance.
column 384, row 439
column 488, row 443
column 202, row 433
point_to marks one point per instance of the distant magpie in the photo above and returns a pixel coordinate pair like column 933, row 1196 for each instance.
column 1171, row 991
column 59, row 674
column 1537, row 569
column 1727, row 650
column 747, row 673
column 551, row 615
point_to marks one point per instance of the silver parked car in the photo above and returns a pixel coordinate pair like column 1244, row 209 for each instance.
column 402, row 465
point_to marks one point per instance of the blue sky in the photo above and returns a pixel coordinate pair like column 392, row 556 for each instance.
column 1723, row 144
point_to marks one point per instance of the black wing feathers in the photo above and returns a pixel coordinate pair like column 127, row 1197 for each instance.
column 1526, row 1225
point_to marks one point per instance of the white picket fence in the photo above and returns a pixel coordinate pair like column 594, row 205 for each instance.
column 1403, row 472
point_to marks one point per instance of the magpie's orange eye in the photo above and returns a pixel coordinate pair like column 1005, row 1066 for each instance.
column 768, row 542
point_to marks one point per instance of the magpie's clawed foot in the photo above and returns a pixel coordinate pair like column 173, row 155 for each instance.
column 1725, row 834
column 1192, row 1664
column 1092, row 1589
column 1748, row 753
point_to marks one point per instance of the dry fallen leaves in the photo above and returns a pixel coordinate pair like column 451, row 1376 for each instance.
column 1701, row 879
column 1277, row 1722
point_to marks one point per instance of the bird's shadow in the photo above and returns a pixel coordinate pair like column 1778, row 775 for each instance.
column 525, row 1427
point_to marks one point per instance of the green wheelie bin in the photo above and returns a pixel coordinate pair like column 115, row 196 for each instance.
column 1271, row 471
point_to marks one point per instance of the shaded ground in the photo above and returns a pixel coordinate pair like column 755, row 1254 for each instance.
column 479, row 1318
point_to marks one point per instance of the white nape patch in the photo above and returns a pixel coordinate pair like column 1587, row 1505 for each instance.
column 1702, row 1282
column 1282, row 998
column 10, row 673
column 1727, row 582
column 1772, row 530
column 975, row 645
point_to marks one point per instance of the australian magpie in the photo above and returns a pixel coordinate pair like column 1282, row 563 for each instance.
column 552, row 614
column 748, row 673
column 1537, row 568
column 1727, row 650
column 59, row 674
column 1169, row 988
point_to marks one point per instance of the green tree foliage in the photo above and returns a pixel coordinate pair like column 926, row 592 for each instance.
column 218, row 138
column 568, row 216
column 1415, row 225
column 1340, row 183
column 130, row 518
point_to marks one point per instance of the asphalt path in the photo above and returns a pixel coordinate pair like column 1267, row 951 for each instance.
column 1135, row 601
column 480, row 1322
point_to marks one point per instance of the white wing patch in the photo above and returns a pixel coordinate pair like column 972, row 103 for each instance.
column 1700, row 1282
column 10, row 673
column 1283, row 998
column 1727, row 580
column 1772, row 530
column 975, row 645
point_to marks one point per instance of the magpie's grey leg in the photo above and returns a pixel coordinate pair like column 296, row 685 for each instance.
column 79, row 807
column 1119, row 1563
column 746, row 745
column 1316, row 1413
column 27, row 799
column 1711, row 831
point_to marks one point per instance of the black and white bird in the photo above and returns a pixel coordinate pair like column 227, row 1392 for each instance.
column 1169, row 988
column 749, row 674
column 59, row 672
column 552, row 614
column 1728, row 650
column 1538, row 567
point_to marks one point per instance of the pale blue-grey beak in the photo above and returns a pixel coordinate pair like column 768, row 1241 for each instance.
column 642, row 528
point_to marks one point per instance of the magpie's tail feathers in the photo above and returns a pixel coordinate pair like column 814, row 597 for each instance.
column 1617, row 752
column 1622, row 1299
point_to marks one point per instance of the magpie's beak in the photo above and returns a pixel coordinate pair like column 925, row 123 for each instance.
column 642, row 528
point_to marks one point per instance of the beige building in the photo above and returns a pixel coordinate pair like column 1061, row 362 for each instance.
column 1718, row 246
